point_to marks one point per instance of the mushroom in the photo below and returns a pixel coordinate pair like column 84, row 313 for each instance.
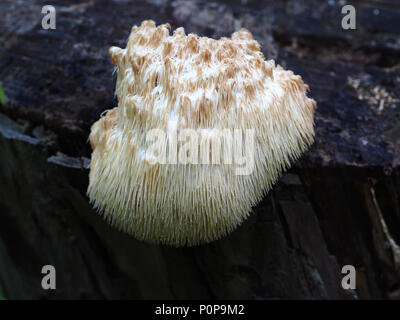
column 173, row 83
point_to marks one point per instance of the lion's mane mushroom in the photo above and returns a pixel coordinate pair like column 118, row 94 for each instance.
column 185, row 81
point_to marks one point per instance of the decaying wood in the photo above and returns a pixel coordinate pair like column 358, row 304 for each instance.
column 339, row 205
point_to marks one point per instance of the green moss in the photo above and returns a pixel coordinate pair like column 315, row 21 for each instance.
column 3, row 98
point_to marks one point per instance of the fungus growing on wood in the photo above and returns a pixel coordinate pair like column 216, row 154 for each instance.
column 194, row 85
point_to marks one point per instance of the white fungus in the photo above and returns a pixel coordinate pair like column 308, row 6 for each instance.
column 178, row 82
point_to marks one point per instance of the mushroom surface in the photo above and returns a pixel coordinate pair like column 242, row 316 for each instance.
column 173, row 83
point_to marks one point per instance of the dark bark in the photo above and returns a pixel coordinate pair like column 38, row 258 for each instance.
column 339, row 205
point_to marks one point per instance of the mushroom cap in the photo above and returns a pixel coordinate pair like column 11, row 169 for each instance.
column 176, row 82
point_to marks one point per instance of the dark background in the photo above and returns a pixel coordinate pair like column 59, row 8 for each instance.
column 338, row 205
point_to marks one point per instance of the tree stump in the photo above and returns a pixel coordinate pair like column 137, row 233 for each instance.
column 339, row 205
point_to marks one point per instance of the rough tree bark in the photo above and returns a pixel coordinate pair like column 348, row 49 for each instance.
column 340, row 204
